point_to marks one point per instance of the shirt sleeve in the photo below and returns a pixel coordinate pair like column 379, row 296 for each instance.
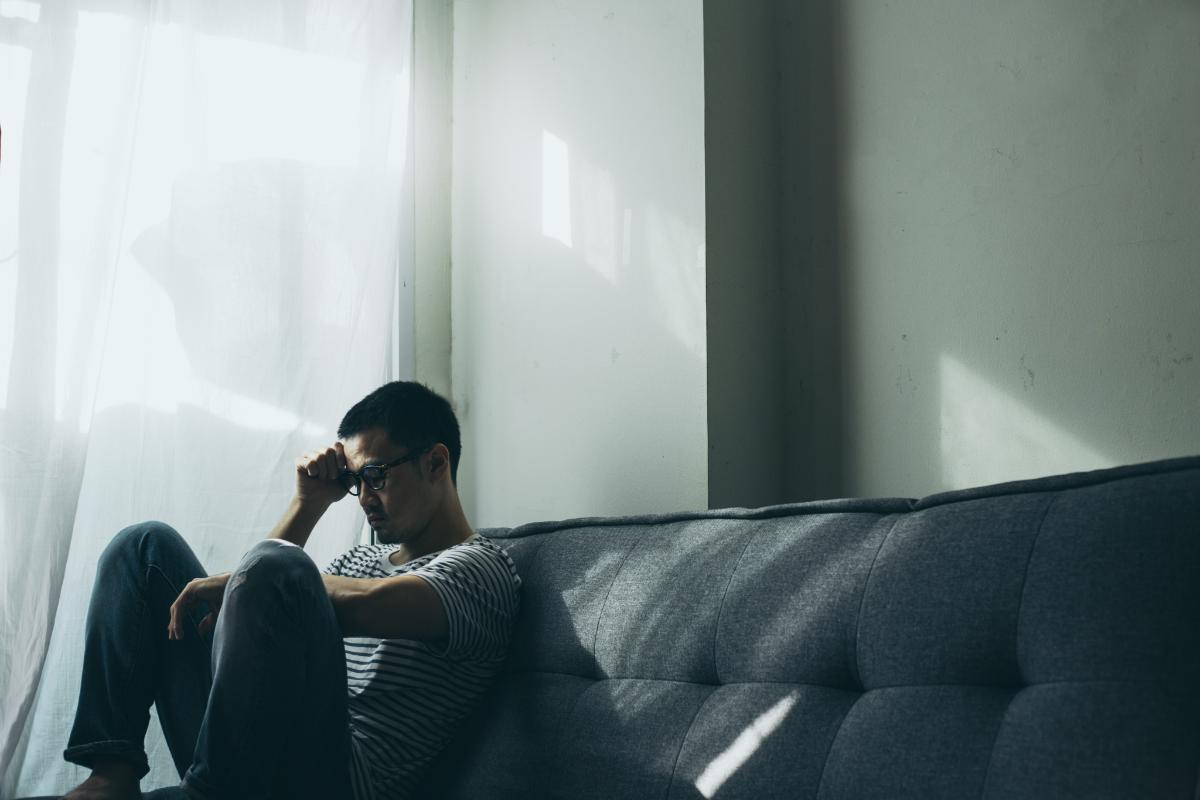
column 480, row 591
column 338, row 565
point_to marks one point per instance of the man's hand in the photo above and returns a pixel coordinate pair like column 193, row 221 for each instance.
column 317, row 488
column 317, row 476
column 210, row 590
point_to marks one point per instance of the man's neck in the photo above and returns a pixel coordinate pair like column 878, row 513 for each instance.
column 446, row 531
column 402, row 554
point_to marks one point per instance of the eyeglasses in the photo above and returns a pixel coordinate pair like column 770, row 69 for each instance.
column 375, row 475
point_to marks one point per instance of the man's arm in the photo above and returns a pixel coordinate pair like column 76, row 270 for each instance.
column 400, row 607
column 298, row 521
column 317, row 488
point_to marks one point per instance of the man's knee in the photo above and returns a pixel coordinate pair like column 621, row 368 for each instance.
column 140, row 541
column 277, row 569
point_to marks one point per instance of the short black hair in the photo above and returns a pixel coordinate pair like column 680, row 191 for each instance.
column 413, row 415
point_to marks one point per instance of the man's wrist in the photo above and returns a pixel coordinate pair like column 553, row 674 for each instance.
column 298, row 521
column 312, row 507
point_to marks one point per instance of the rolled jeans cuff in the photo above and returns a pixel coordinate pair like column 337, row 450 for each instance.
column 85, row 755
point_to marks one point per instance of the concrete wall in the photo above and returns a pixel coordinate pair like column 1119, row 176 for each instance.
column 946, row 245
column 578, row 298
column 990, row 216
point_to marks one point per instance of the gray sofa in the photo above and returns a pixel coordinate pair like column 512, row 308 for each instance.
column 1026, row 640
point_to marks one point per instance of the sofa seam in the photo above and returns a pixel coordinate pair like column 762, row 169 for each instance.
column 560, row 739
column 721, row 607
column 987, row 772
column 1037, row 536
column 691, row 683
column 783, row 511
column 683, row 741
column 832, row 742
column 857, row 668
column 862, row 601
column 827, row 687
column 1197, row 781
column 604, row 606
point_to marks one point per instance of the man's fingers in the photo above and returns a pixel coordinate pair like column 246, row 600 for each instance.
column 329, row 462
column 323, row 465
column 312, row 467
column 197, row 590
column 174, row 628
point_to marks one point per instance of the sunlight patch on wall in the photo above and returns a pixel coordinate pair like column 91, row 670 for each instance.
column 744, row 746
column 598, row 220
column 626, row 236
column 556, row 189
column 603, row 227
column 989, row 436
column 676, row 273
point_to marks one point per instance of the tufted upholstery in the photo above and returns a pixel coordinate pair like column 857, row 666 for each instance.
column 1033, row 639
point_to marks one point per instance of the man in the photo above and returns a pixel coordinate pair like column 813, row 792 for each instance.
column 278, row 681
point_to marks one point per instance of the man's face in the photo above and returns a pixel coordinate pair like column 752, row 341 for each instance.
column 399, row 511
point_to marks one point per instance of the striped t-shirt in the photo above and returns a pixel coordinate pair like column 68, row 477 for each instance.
column 407, row 697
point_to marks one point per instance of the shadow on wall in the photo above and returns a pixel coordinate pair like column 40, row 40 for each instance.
column 579, row 317
column 814, row 247
column 594, row 424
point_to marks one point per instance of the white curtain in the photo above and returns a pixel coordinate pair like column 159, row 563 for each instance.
column 205, row 258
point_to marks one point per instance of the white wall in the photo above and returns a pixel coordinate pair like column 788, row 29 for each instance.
column 992, row 214
column 578, row 299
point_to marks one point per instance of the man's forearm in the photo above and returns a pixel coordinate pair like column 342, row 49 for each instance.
column 400, row 607
column 297, row 522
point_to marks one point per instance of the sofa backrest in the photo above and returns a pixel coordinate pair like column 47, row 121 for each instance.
column 1032, row 639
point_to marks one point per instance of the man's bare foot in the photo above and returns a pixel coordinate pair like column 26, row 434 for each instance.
column 111, row 779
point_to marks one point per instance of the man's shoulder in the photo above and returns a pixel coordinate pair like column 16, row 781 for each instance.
column 479, row 546
column 477, row 552
column 361, row 560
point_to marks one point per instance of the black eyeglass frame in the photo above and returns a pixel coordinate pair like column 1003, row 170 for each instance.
column 375, row 475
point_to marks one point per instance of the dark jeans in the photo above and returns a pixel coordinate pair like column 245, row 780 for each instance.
column 257, row 709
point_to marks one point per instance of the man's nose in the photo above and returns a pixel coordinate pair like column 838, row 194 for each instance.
column 366, row 495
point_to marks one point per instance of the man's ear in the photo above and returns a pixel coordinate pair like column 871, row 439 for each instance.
column 439, row 461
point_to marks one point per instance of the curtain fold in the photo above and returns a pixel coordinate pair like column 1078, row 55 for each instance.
column 205, row 256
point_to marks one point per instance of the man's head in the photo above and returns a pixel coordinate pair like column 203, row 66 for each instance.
column 413, row 416
column 407, row 438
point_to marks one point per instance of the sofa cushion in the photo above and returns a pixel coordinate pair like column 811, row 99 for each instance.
column 1031, row 639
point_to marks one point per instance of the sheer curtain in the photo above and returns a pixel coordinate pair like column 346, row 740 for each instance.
column 205, row 258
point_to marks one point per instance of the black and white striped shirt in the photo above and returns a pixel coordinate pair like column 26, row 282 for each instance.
column 407, row 697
